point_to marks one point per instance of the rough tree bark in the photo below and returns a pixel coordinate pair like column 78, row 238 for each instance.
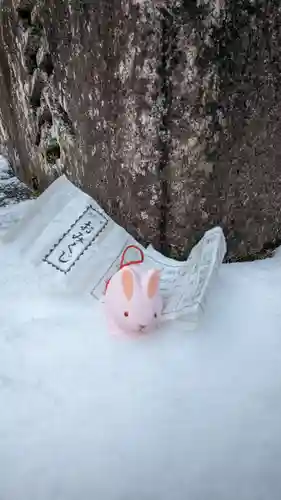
column 167, row 112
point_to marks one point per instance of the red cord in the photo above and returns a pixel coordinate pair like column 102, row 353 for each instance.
column 130, row 262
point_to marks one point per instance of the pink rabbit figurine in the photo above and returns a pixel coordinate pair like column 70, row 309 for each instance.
column 133, row 303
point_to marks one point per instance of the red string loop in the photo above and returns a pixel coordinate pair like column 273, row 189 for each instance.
column 139, row 261
column 124, row 264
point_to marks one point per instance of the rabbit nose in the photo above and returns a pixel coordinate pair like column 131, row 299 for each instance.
column 142, row 327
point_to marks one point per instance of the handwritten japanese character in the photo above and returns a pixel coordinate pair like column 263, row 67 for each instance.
column 70, row 247
column 87, row 227
column 61, row 258
column 78, row 238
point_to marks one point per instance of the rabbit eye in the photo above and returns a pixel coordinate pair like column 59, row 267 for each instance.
column 126, row 314
column 155, row 315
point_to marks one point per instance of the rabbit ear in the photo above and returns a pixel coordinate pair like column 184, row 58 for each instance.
column 128, row 282
column 153, row 282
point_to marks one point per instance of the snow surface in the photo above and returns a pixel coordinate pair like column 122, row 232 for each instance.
column 176, row 415
column 12, row 190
